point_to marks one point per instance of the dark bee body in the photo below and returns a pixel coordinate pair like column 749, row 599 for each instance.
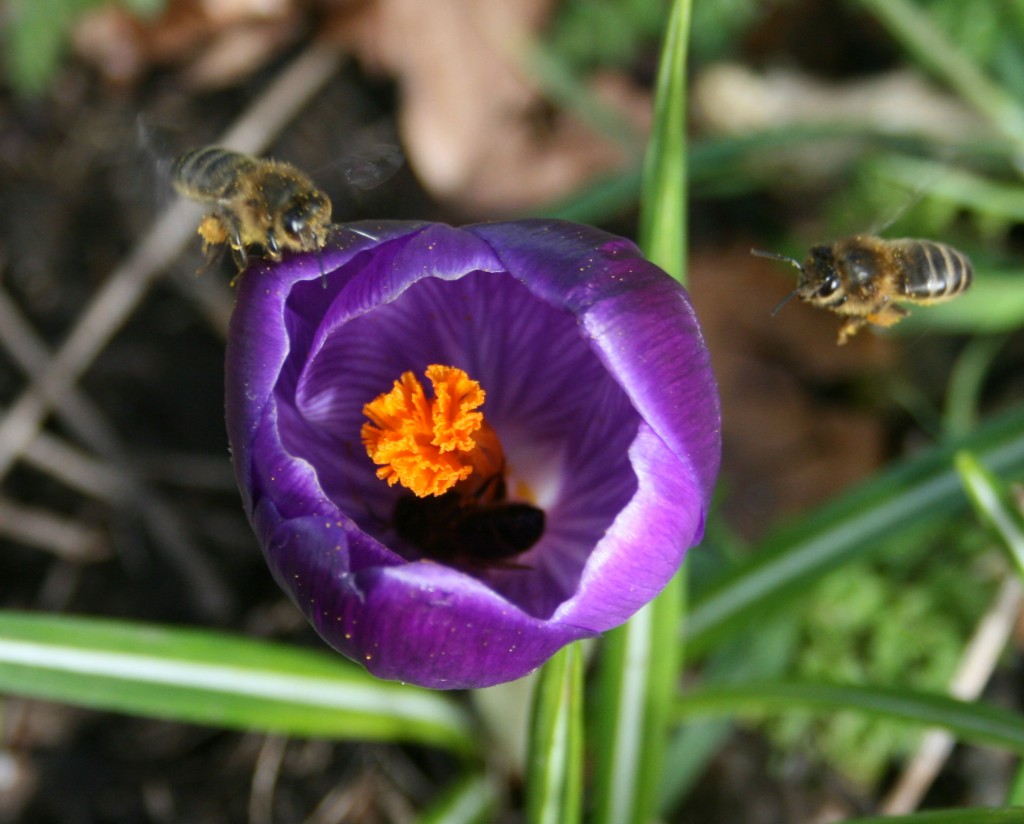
column 257, row 203
column 469, row 533
column 864, row 278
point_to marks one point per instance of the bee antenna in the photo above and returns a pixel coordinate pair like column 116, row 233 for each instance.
column 361, row 233
column 761, row 253
column 784, row 301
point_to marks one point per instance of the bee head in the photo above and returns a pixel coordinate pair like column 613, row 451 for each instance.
column 820, row 283
column 306, row 219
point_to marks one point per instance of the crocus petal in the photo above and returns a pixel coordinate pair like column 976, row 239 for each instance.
column 598, row 385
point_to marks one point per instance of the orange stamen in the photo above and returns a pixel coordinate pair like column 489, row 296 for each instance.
column 427, row 445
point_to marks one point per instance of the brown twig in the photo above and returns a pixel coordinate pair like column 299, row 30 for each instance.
column 123, row 290
column 264, row 779
column 68, row 539
column 116, row 478
column 976, row 666
column 54, row 377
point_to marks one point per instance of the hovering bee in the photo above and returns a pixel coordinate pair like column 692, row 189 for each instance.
column 256, row 203
column 864, row 278
column 483, row 530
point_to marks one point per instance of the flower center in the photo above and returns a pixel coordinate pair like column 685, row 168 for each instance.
column 430, row 445
column 451, row 460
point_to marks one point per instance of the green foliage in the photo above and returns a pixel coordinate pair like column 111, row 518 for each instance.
column 989, row 33
column 600, row 33
column 896, row 623
column 38, row 32
column 901, row 620
column 718, row 27
column 905, row 196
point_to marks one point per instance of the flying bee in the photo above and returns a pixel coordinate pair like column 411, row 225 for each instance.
column 865, row 278
column 483, row 530
column 259, row 203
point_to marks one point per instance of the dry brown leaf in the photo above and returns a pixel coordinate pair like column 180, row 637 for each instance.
column 475, row 127
column 238, row 52
column 219, row 41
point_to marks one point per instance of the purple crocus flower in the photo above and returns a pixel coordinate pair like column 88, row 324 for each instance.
column 564, row 369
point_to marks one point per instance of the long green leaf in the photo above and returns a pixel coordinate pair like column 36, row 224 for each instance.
column 972, row 815
column 217, row 679
column 554, row 784
column 920, row 488
column 662, row 230
column 640, row 662
column 969, row 721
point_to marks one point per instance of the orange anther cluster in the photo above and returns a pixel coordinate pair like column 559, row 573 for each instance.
column 429, row 445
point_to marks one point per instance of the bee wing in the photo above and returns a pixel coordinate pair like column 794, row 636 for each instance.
column 373, row 167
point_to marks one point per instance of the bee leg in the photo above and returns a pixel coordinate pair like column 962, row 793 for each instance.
column 887, row 315
column 849, row 329
column 238, row 253
column 272, row 246
column 213, row 254
column 214, row 234
column 213, row 231
column 241, row 261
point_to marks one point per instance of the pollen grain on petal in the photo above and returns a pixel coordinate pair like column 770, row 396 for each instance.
column 427, row 445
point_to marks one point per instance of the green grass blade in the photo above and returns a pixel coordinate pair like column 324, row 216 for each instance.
column 662, row 230
column 920, row 488
column 640, row 663
column 1016, row 795
column 929, row 45
column 968, row 190
column 966, row 380
column 994, row 504
column 221, row 680
column 554, row 783
column 471, row 801
column 968, row 721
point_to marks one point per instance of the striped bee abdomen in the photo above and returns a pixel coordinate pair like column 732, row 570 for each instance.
column 933, row 271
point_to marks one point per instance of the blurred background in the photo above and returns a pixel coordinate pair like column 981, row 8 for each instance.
column 810, row 120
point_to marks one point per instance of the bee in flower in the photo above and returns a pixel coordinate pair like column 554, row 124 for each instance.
column 461, row 449
column 458, row 510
